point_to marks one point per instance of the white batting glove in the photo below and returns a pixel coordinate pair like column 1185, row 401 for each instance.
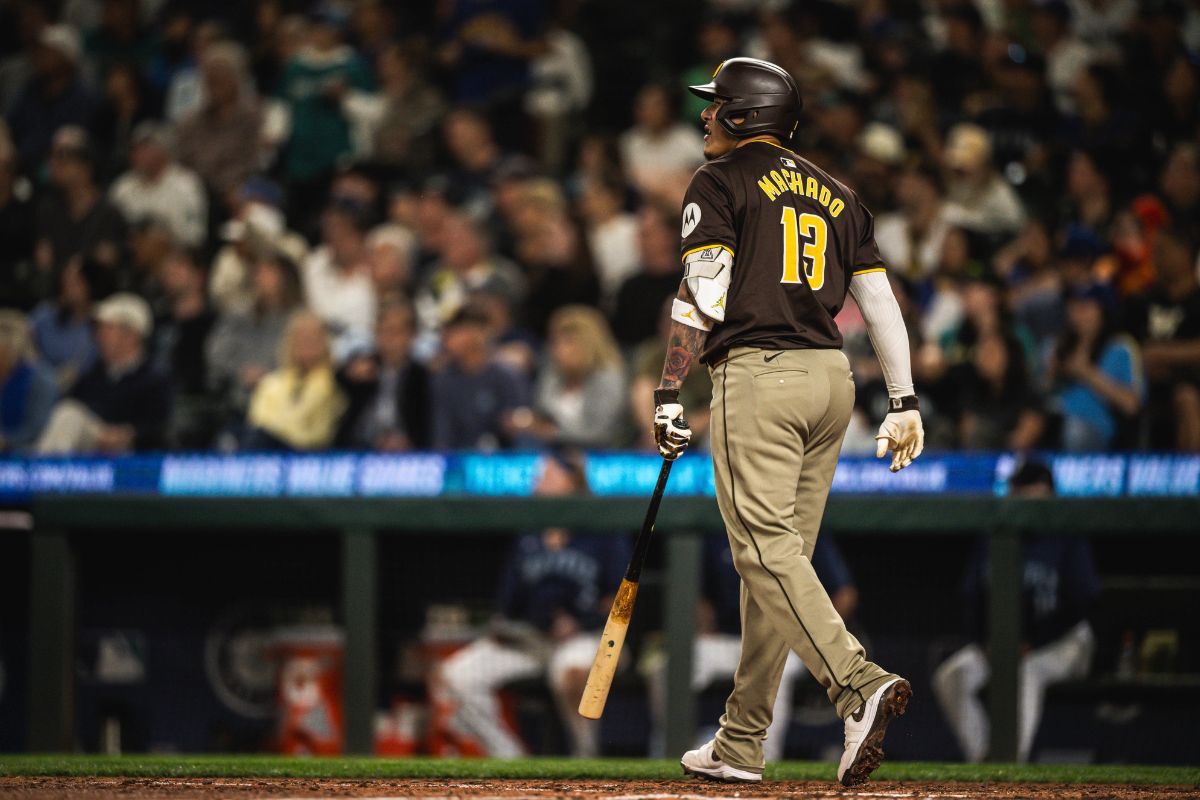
column 671, row 431
column 901, row 432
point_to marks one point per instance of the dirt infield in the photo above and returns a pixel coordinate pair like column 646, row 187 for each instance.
column 29, row 788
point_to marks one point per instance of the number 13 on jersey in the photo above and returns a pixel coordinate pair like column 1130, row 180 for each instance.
column 816, row 234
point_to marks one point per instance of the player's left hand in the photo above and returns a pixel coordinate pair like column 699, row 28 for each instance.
column 903, row 434
column 671, row 431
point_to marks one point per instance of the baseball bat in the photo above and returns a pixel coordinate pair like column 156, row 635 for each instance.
column 608, row 652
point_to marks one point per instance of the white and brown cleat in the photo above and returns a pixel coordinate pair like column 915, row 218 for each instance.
column 865, row 729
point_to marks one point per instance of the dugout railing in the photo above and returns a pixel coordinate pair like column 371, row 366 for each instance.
column 361, row 522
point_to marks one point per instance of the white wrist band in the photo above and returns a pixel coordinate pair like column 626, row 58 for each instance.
column 687, row 314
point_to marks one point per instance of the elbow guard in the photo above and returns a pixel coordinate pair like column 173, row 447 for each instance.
column 707, row 272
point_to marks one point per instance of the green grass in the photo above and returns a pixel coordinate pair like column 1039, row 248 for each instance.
column 560, row 768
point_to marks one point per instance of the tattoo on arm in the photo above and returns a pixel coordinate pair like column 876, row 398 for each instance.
column 684, row 345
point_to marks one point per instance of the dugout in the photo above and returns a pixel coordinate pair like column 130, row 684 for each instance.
column 346, row 551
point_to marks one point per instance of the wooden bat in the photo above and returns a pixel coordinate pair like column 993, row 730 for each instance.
column 608, row 653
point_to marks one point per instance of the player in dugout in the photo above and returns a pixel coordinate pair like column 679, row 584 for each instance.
column 551, row 606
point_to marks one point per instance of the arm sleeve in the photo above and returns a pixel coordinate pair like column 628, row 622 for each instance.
column 885, row 326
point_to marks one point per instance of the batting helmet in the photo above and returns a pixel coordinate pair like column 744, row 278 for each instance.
column 761, row 92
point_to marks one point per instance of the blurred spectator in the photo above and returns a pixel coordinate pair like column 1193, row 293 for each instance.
column 1000, row 409
column 298, row 405
column 62, row 325
column 337, row 278
column 180, row 338
column 397, row 127
column 1098, row 374
column 1100, row 23
column 640, row 300
column 125, row 104
column 1026, row 265
column 1066, row 56
column 646, row 362
column 474, row 397
column 245, row 344
column 466, row 265
column 53, row 97
column 1180, row 187
column 611, row 233
column 1089, row 194
column 219, row 138
column 119, row 38
column 157, row 186
column 1059, row 586
column 578, row 399
column 17, row 277
column 718, row 644
column 716, row 41
column 1166, row 320
column 1179, row 118
column 476, row 157
column 18, row 64
column 314, row 83
column 515, row 346
column 27, row 392
column 487, row 47
column 150, row 245
column 122, row 402
column 956, row 71
column 552, row 603
column 187, row 90
column 389, row 253
column 390, row 395
column 561, row 78
column 554, row 254
column 910, row 239
column 75, row 219
column 659, row 149
column 978, row 198
column 258, row 225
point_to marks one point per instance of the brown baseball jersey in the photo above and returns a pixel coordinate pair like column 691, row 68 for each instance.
column 796, row 237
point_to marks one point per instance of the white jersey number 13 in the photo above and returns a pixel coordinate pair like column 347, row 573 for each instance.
column 816, row 234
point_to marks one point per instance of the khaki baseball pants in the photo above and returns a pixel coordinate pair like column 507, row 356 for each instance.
column 778, row 418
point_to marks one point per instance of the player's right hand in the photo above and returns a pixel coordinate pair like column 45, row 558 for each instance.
column 903, row 434
column 671, row 431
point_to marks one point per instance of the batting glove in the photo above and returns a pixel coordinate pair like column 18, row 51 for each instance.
column 671, row 431
column 901, row 432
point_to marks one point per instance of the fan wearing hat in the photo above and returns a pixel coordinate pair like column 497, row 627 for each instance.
column 122, row 402
column 157, row 186
column 978, row 199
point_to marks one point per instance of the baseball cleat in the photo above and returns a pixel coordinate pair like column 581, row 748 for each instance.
column 705, row 763
column 865, row 729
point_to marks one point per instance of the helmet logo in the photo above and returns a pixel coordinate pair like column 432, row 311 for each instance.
column 691, row 218
column 718, row 69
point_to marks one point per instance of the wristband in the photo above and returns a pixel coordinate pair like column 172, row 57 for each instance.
column 687, row 314
column 907, row 403
column 664, row 397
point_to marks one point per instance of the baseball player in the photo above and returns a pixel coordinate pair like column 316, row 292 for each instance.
column 1059, row 585
column 771, row 245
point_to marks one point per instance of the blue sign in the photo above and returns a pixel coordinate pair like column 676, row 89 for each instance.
column 610, row 474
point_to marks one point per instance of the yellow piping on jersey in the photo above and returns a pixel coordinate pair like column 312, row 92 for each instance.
column 705, row 247
column 865, row 271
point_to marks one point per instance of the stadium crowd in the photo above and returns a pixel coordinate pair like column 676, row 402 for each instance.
column 279, row 224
